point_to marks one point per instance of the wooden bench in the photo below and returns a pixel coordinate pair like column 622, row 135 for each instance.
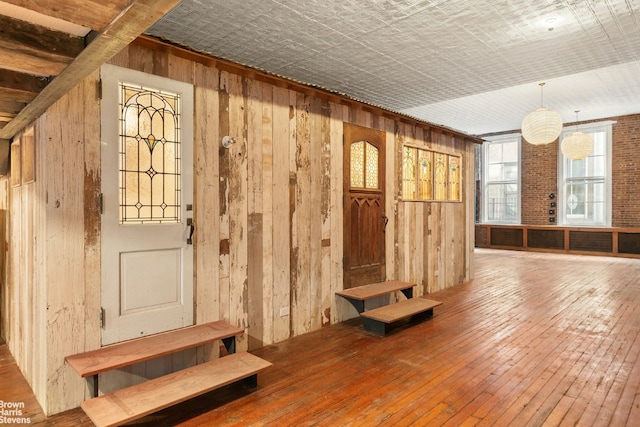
column 156, row 394
column 379, row 319
column 358, row 295
column 135, row 402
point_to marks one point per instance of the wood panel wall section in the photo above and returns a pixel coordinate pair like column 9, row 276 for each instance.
column 268, row 214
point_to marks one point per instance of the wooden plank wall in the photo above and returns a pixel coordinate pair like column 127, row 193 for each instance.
column 268, row 215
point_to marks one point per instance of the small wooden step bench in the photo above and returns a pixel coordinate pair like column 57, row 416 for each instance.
column 92, row 363
column 153, row 395
column 358, row 295
column 135, row 402
column 379, row 319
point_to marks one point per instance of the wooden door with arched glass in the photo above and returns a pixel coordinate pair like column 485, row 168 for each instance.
column 364, row 213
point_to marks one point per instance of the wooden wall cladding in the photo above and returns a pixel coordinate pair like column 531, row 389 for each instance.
column 269, row 214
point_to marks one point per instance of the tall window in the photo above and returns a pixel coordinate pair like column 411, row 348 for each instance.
column 501, row 179
column 585, row 185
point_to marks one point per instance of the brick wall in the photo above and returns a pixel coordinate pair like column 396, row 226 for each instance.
column 539, row 179
column 626, row 172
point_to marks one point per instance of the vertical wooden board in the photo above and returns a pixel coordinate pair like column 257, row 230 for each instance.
column 238, row 226
column 417, row 255
column 293, row 205
column 142, row 59
column 179, row 68
column 224, row 198
column 121, row 58
column 428, row 259
column 65, row 235
column 92, row 182
column 326, row 292
column 301, row 229
column 39, row 385
column 340, row 308
column 392, row 189
column 206, row 202
column 360, row 117
column 282, row 111
column 254, row 123
column 267, row 213
column 316, row 216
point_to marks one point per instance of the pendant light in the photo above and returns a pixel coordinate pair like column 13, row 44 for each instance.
column 578, row 145
column 541, row 126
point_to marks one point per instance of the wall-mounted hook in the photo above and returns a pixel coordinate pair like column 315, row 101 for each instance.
column 227, row 141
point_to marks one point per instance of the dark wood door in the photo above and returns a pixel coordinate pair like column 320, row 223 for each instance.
column 364, row 212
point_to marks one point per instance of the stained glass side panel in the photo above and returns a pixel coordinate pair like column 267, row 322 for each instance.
column 454, row 178
column 357, row 164
column 409, row 173
column 371, row 163
column 440, row 168
column 425, row 175
column 149, row 178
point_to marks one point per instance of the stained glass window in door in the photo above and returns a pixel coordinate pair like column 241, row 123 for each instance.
column 364, row 165
column 149, row 177
column 440, row 167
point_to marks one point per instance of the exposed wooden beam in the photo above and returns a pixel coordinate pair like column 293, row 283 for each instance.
column 10, row 106
column 93, row 14
column 34, row 49
column 19, row 86
column 139, row 16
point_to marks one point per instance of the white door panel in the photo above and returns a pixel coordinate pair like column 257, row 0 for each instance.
column 147, row 264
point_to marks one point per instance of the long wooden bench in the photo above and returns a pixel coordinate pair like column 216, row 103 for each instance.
column 380, row 319
column 358, row 295
column 150, row 396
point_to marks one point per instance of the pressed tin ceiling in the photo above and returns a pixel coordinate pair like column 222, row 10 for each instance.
column 470, row 65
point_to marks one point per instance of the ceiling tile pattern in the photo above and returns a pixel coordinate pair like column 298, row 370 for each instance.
column 470, row 65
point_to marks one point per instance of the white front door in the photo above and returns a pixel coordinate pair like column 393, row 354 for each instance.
column 147, row 192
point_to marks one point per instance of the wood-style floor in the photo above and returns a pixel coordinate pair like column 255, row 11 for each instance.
column 534, row 340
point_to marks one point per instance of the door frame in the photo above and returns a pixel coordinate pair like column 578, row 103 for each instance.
column 354, row 133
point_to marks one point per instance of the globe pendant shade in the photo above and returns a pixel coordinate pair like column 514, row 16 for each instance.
column 577, row 146
column 541, row 126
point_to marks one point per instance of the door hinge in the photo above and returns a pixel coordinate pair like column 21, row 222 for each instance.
column 101, row 317
column 100, row 89
column 100, row 203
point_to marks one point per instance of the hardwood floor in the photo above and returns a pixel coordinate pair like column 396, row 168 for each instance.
column 534, row 340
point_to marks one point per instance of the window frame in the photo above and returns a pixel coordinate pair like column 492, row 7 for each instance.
column 489, row 141
column 563, row 162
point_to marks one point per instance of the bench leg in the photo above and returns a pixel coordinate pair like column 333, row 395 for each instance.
column 92, row 382
column 358, row 304
column 374, row 326
column 230, row 344
column 408, row 292
column 251, row 381
column 422, row 316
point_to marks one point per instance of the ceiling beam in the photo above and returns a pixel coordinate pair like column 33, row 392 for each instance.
column 93, row 14
column 34, row 49
column 128, row 25
column 19, row 86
